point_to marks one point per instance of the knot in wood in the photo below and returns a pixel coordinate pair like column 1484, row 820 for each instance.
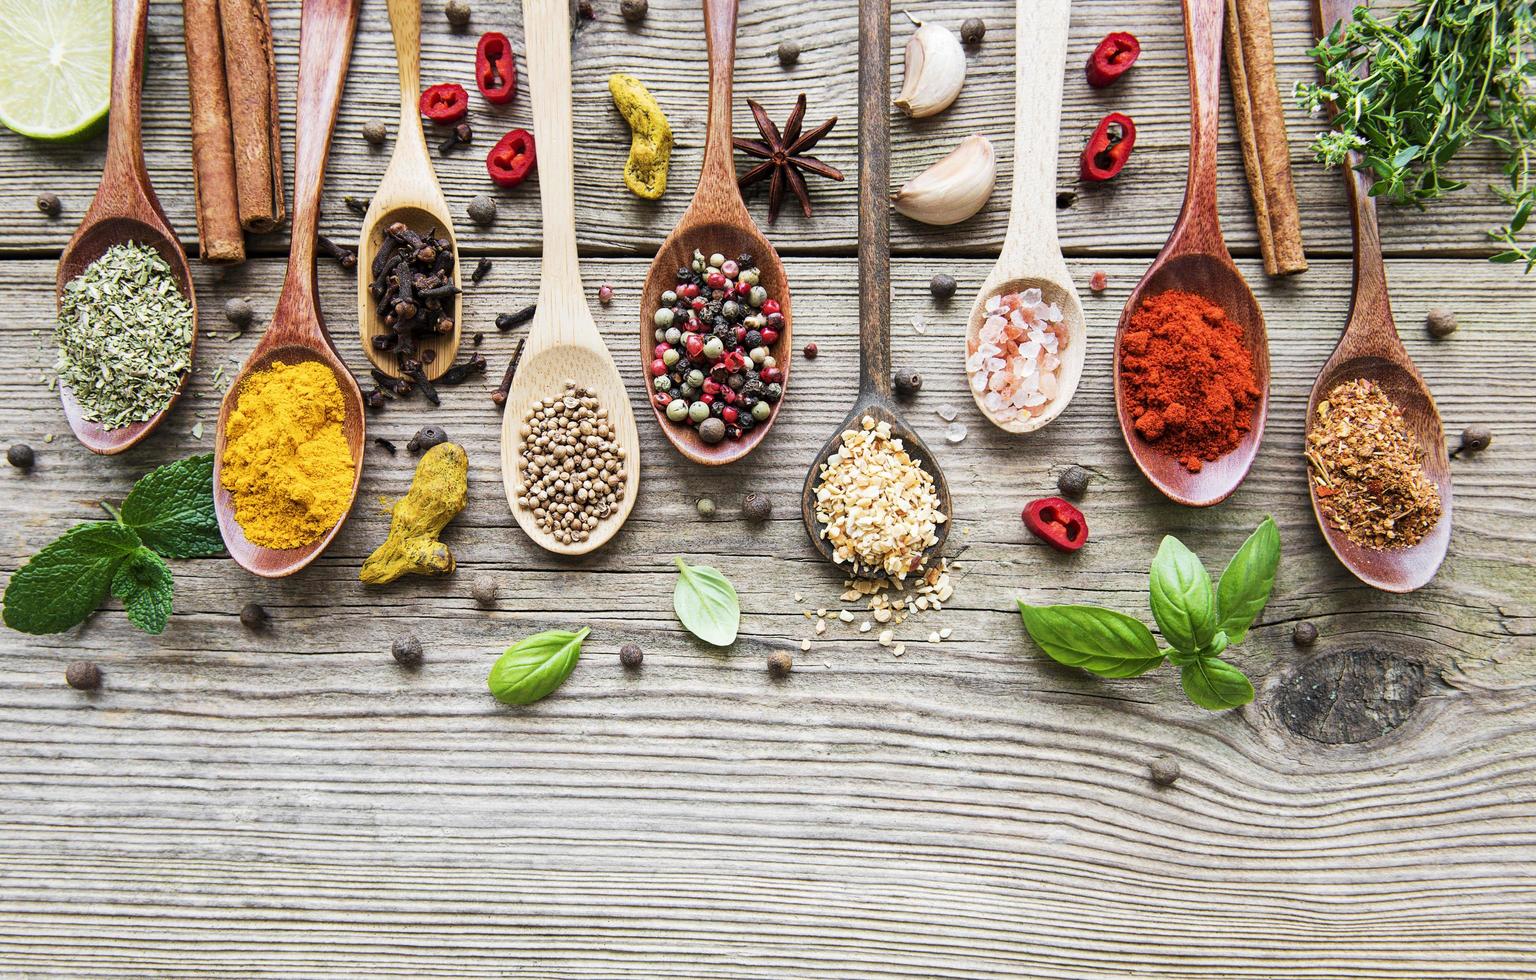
column 1351, row 696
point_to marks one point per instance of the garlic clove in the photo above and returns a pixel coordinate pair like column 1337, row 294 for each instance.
column 954, row 188
column 934, row 73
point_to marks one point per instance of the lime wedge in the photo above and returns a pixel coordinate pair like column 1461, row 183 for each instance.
column 58, row 66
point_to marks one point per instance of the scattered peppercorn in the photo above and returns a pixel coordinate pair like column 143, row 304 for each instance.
column 457, row 12
column 789, row 53
column 908, row 383
column 482, row 209
column 1073, row 482
column 712, row 430
column 1440, row 322
column 239, row 312
column 973, row 30
column 1304, row 635
column 1098, row 282
column 810, row 351
column 780, row 663
column 253, row 616
column 375, row 132
column 631, row 656
column 1164, row 769
column 605, row 294
column 82, row 675
column 942, row 286
column 49, row 203
column 757, row 507
column 425, row 438
column 21, row 456
column 407, row 651
column 1474, row 439
column 706, row 507
column 484, row 589
column 1065, row 199
column 633, row 10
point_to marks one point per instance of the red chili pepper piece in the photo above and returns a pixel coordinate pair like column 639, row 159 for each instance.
column 446, row 103
column 495, row 68
column 511, row 159
column 1109, row 147
column 1112, row 58
column 1057, row 523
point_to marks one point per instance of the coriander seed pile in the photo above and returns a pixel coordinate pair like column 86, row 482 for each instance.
column 571, row 474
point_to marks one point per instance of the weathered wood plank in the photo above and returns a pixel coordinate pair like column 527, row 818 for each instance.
column 1132, row 215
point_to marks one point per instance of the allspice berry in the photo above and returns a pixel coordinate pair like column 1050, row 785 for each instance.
column 1474, row 439
column 1073, row 482
column 631, row 656
column 1164, row 770
column 973, row 30
column 407, row 651
column 942, row 286
column 780, row 663
column 633, row 10
column 49, row 203
column 457, row 12
column 375, row 132
column 484, row 589
column 1304, row 635
column 908, row 383
column 482, row 210
column 426, row 437
column 1440, row 322
column 756, row 507
column 712, row 430
column 82, row 675
column 21, row 456
column 789, row 53
column 239, row 313
column 253, row 616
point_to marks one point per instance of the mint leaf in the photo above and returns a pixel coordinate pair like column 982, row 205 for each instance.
column 1100, row 641
column 66, row 581
column 1183, row 601
column 1249, row 578
column 143, row 582
column 172, row 509
column 1215, row 684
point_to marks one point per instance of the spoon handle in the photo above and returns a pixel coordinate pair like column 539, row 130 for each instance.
column 874, row 197
column 1038, row 66
column 1199, row 227
column 719, row 167
column 405, row 25
column 546, row 24
column 125, row 147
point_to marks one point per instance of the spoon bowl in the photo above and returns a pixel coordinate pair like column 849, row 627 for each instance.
column 1052, row 290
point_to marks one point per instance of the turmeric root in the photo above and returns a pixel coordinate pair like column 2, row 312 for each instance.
column 650, row 146
column 437, row 494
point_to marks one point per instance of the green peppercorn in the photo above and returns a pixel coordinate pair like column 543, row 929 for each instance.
column 761, row 411
column 750, row 277
column 677, row 410
column 698, row 411
column 671, row 357
column 662, row 317
column 716, row 260
column 673, row 336
column 706, row 507
column 668, row 298
column 757, row 296
column 662, row 383
column 714, row 348
column 695, row 378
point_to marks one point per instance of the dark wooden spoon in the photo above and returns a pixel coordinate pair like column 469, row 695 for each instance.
column 1196, row 260
column 875, row 284
column 1371, row 349
column 297, row 332
column 716, row 221
column 125, row 209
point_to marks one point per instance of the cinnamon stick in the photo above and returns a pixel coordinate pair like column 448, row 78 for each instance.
column 251, row 74
column 213, row 153
column 1261, row 124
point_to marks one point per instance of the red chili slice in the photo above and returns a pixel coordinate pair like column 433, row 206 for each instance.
column 446, row 103
column 1112, row 58
column 1057, row 523
column 512, row 158
column 495, row 68
column 1109, row 147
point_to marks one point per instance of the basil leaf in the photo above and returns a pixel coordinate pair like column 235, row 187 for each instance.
column 706, row 604
column 1215, row 684
column 172, row 509
column 66, row 581
column 1183, row 601
column 1249, row 578
column 1100, row 641
column 534, row 667
column 143, row 582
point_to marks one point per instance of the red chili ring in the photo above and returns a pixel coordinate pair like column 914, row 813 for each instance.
column 446, row 103
column 1057, row 523
column 1111, row 58
column 495, row 68
column 512, row 159
column 1106, row 153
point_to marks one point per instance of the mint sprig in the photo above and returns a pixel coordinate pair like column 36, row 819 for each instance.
column 168, row 514
column 1197, row 619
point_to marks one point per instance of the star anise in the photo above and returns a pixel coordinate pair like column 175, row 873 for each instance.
column 784, row 156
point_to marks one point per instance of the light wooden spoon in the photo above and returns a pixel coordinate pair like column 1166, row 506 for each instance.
column 125, row 209
column 297, row 332
column 1031, row 255
column 1196, row 260
column 1371, row 349
column 875, row 286
column 410, row 193
column 716, row 221
column 563, row 343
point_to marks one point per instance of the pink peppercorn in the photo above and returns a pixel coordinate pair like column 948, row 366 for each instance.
column 605, row 294
column 810, row 351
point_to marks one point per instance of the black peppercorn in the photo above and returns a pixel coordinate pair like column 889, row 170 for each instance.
column 484, row 589
column 631, row 656
column 780, row 663
column 973, row 30
column 942, row 286
column 1440, row 322
column 252, row 616
column 1304, row 635
column 908, row 383
column 407, row 652
column 49, row 204
column 21, row 456
column 375, row 132
column 1073, row 481
column 238, row 312
column 789, row 53
column 756, row 507
column 82, row 675
column 1474, row 439
column 633, row 10
column 1164, row 770
column 425, row 438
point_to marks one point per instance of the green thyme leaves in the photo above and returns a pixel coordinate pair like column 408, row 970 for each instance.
column 706, row 603
column 1197, row 619
column 533, row 668
column 168, row 513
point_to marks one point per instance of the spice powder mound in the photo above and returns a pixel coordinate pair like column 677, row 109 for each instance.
column 1186, row 378
column 1367, row 472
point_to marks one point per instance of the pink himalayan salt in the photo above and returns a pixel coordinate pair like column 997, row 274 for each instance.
column 1014, row 361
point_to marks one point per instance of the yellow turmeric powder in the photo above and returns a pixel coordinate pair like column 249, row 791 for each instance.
column 437, row 494
column 286, row 458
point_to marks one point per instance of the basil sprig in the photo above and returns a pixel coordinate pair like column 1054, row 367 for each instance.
column 1197, row 619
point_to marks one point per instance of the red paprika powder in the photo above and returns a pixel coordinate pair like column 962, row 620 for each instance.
column 1187, row 378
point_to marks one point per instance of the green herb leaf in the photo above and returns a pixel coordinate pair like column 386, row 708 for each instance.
column 1100, row 641
column 1183, row 601
column 1247, row 581
column 65, row 582
column 172, row 509
column 143, row 582
column 534, row 667
column 1215, row 684
column 706, row 604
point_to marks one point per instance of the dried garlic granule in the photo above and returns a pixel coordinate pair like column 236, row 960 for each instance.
column 877, row 506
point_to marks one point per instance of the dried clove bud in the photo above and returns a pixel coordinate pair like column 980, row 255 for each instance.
column 344, row 256
column 506, row 321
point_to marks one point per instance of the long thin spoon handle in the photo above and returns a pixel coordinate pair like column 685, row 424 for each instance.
column 125, row 147
column 1038, row 68
column 405, row 25
column 874, row 196
column 547, row 25
column 719, row 169
column 1198, row 223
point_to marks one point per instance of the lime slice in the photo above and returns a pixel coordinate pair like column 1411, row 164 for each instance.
column 58, row 66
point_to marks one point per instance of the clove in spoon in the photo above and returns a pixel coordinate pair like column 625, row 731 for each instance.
column 408, row 193
column 562, row 343
column 875, row 285
column 297, row 332
column 125, row 209
column 1196, row 260
column 1031, row 254
column 1371, row 349
column 716, row 221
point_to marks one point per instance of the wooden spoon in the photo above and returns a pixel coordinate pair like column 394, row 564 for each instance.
column 1031, row 255
column 125, row 209
column 1371, row 349
column 297, row 332
column 410, row 193
column 563, row 342
column 716, row 221
column 1196, row 260
column 874, row 284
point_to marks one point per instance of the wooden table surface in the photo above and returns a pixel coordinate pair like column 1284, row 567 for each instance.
column 289, row 803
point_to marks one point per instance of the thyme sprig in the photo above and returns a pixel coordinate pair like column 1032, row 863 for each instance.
column 1413, row 91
